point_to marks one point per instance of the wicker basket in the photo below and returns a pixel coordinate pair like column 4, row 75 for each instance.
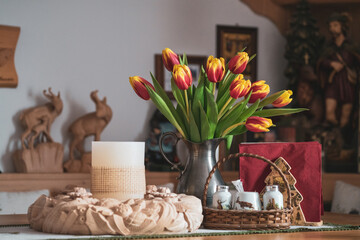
column 246, row 219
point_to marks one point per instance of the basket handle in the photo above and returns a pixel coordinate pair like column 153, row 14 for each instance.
column 236, row 155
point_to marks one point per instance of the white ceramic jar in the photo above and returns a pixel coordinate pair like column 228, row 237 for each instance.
column 221, row 198
column 273, row 198
column 247, row 201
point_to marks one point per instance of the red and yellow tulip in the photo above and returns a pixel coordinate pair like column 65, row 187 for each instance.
column 237, row 64
column 283, row 100
column 258, row 124
column 206, row 112
column 182, row 76
column 239, row 87
column 215, row 69
column 170, row 59
column 138, row 84
column 259, row 91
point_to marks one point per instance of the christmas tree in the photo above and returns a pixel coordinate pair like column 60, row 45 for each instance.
column 303, row 44
column 274, row 178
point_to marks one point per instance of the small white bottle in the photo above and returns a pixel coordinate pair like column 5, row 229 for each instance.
column 273, row 198
column 222, row 197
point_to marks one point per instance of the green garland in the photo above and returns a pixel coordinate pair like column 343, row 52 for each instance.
column 117, row 237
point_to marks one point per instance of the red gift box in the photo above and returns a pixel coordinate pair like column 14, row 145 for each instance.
column 305, row 161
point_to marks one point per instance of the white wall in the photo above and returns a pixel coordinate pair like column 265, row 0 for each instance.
column 80, row 45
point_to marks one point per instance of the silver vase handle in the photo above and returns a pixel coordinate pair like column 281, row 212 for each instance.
column 173, row 165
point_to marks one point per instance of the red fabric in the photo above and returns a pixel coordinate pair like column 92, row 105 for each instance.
column 305, row 161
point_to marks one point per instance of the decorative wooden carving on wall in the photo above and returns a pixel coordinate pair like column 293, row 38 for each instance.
column 279, row 12
column 8, row 39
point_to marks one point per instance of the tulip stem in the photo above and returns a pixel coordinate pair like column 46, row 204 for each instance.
column 221, row 113
column 232, row 127
column 187, row 105
column 232, row 109
column 214, row 88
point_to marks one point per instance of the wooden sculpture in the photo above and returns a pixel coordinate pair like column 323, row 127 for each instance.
column 8, row 39
column 274, row 178
column 39, row 151
column 91, row 124
column 75, row 211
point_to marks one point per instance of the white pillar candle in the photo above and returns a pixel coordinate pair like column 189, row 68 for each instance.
column 118, row 170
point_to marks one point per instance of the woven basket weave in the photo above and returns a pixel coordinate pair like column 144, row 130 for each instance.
column 246, row 219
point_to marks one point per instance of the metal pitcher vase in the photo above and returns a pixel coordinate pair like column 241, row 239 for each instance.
column 200, row 161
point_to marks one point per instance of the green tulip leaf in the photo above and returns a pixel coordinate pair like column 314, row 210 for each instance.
column 181, row 60
column 193, row 130
column 162, row 94
column 221, row 84
column 270, row 99
column 252, row 57
column 229, row 139
column 190, row 93
column 230, row 129
column 170, row 114
column 205, row 126
column 278, row 112
column 230, row 119
column 183, row 116
column 196, row 106
column 185, row 60
column 249, row 112
column 223, row 100
column 226, row 85
column 178, row 94
column 211, row 111
column 239, row 130
column 199, row 91
column 160, row 91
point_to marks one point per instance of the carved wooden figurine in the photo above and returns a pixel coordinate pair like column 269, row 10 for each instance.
column 87, row 125
column 274, row 178
column 39, row 151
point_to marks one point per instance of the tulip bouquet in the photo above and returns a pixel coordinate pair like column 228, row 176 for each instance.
column 206, row 111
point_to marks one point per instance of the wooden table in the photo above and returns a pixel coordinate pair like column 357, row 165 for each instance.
column 327, row 218
column 330, row 235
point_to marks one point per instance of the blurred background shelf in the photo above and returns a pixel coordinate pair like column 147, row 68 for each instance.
column 19, row 182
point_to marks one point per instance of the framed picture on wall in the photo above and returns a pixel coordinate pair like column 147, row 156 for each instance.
column 164, row 76
column 232, row 39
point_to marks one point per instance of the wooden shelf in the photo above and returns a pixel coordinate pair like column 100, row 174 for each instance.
column 18, row 182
